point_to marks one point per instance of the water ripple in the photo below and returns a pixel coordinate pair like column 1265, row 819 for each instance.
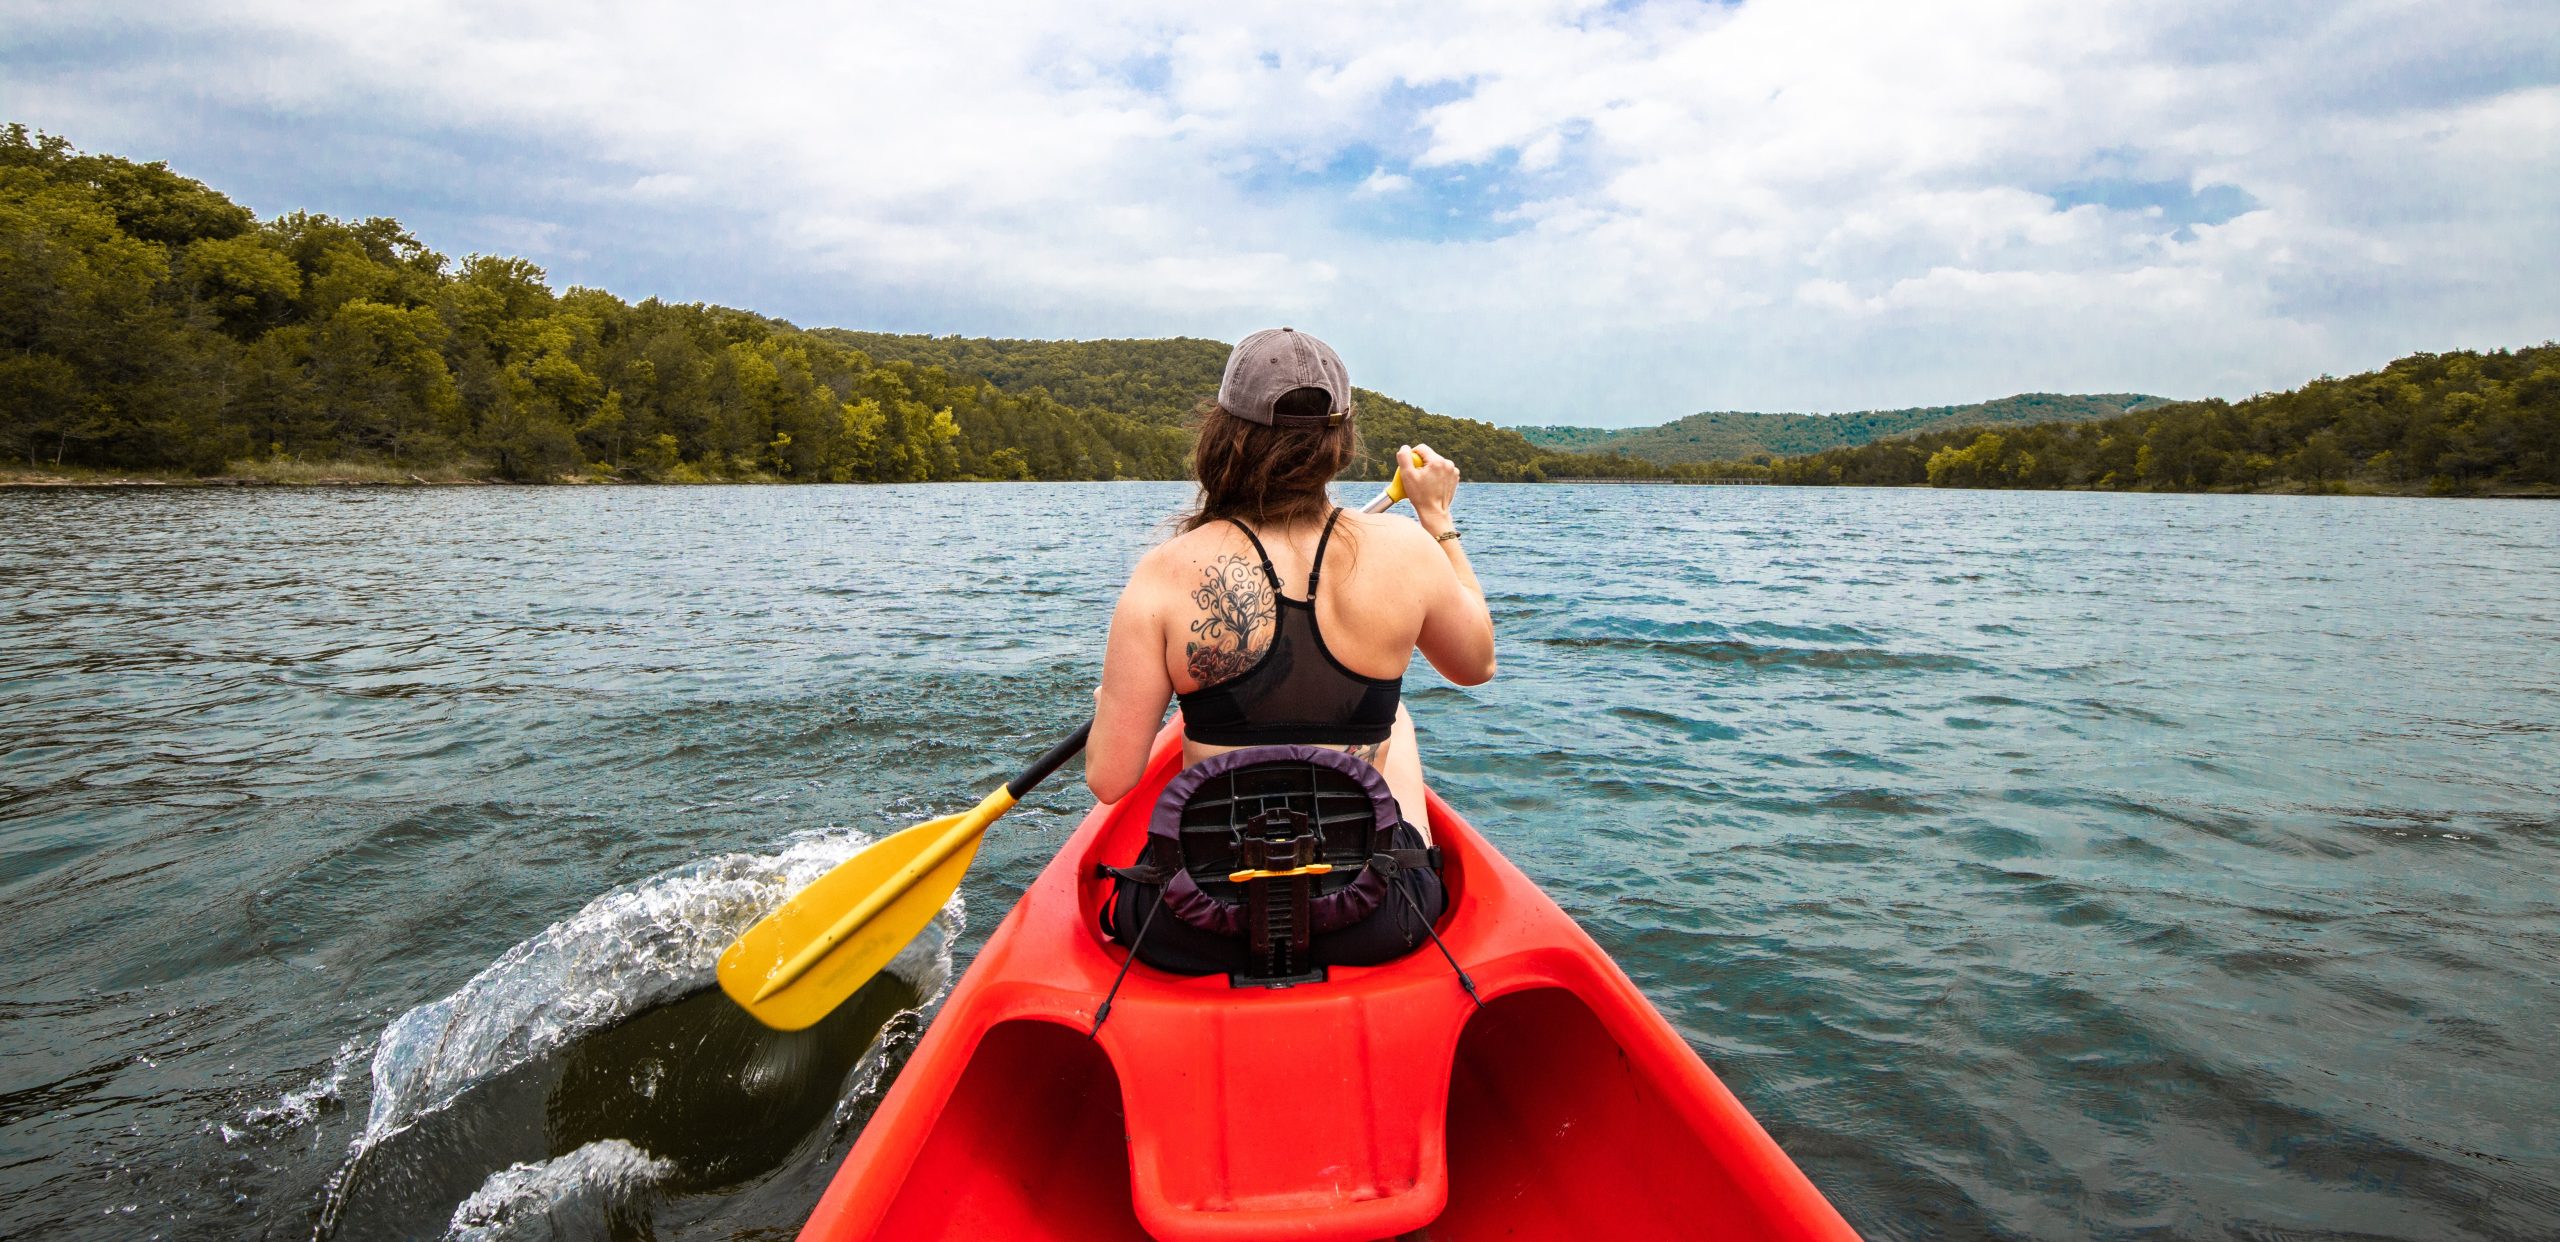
column 2033, row 865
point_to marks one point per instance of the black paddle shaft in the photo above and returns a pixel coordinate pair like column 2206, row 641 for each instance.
column 1041, row 767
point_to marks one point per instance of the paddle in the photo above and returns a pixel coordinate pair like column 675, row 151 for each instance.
column 806, row 958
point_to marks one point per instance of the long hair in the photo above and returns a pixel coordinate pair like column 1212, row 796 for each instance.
column 1268, row 475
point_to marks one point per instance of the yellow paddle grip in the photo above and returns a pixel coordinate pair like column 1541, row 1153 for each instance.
column 1395, row 486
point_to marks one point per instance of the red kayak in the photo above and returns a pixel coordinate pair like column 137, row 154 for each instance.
column 1379, row 1103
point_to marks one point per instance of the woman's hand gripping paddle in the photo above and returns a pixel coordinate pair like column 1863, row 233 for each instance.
column 806, row 958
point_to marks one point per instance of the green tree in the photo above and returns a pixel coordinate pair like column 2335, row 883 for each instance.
column 2318, row 462
column 246, row 284
column 1976, row 465
column 380, row 371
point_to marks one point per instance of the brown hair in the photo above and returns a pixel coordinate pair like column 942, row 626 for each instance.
column 1267, row 475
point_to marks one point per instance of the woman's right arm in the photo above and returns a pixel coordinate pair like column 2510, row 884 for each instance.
column 1457, row 626
column 1129, row 706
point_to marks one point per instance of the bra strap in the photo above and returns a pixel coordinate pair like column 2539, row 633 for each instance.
column 1316, row 570
column 1267, row 570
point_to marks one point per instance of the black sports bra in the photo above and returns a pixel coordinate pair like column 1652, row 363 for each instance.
column 1297, row 692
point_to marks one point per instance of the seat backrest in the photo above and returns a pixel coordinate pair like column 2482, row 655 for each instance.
column 1270, row 798
column 1231, row 812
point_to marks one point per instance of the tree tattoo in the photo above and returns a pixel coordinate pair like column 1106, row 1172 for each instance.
column 1237, row 601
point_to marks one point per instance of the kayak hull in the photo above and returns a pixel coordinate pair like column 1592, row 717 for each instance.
column 1380, row 1103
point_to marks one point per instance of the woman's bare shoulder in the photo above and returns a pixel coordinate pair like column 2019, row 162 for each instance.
column 1181, row 557
column 1393, row 533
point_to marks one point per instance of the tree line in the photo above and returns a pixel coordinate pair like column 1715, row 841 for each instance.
column 2446, row 424
column 1162, row 382
column 1739, row 436
column 149, row 322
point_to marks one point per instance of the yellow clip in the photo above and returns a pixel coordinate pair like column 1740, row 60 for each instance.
column 1239, row 877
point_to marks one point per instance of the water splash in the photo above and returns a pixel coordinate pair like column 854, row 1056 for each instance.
column 879, row 1064
column 600, row 1190
column 630, row 949
column 623, row 954
column 303, row 1105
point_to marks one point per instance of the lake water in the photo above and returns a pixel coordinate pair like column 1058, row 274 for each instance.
column 2032, row 865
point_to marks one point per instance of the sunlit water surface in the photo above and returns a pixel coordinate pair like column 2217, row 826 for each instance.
column 2032, row 865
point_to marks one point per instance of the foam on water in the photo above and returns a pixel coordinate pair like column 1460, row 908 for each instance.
column 639, row 946
column 599, row 1190
column 302, row 1106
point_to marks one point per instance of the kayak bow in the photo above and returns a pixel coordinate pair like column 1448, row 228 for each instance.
column 1377, row 1103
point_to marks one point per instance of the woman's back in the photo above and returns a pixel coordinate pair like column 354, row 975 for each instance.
column 1223, row 610
column 1278, row 618
column 1206, row 617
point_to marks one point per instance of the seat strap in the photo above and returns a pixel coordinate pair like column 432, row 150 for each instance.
column 1140, row 873
column 1391, row 863
column 1416, row 905
column 1103, row 1014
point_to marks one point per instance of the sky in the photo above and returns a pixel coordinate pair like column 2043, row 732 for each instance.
column 1602, row 213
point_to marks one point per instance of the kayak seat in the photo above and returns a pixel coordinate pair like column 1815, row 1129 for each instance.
column 1272, row 863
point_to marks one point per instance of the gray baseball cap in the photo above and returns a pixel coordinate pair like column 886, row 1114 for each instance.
column 1275, row 362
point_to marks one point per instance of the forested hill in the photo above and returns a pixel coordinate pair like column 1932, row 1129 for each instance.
column 1729, row 436
column 2456, row 423
column 1160, row 381
column 147, row 322
column 1157, row 380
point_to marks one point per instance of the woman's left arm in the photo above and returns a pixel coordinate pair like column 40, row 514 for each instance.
column 1129, row 706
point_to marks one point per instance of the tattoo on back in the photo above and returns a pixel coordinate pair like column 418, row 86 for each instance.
column 1237, row 601
column 1372, row 753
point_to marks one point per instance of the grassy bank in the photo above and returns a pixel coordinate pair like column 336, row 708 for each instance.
column 265, row 473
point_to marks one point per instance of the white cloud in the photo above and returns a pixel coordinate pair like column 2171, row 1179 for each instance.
column 1656, row 209
column 664, row 186
column 1380, row 183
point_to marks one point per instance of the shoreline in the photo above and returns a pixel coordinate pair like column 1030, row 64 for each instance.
column 36, row 480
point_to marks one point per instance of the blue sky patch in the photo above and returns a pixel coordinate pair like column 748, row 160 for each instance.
column 2181, row 205
column 1406, row 200
column 1151, row 73
column 1438, row 203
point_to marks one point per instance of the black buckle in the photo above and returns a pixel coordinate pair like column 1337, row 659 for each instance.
column 1392, row 863
column 1279, row 844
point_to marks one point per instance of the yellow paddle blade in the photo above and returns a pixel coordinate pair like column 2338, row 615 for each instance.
column 806, row 958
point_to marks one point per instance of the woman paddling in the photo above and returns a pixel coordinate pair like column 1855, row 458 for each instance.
column 1275, row 617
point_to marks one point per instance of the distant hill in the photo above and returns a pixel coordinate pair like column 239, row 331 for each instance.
column 2452, row 424
column 1158, row 382
column 1729, row 436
